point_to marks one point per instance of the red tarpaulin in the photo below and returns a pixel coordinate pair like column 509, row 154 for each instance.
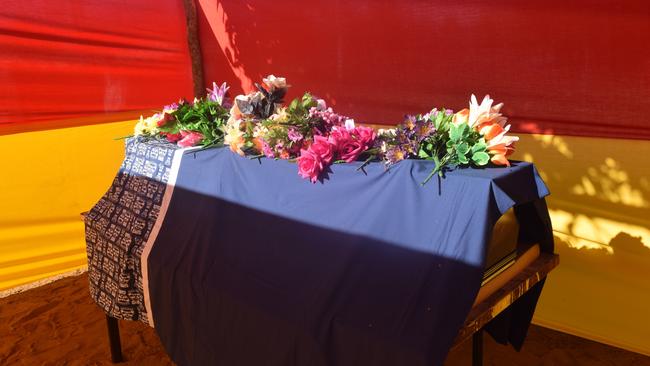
column 561, row 67
column 573, row 68
column 67, row 59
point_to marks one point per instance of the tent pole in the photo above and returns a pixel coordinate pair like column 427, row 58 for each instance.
column 194, row 47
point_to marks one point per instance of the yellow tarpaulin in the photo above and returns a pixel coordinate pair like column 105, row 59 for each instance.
column 599, row 203
column 48, row 179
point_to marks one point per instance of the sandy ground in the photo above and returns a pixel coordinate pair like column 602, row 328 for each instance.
column 58, row 324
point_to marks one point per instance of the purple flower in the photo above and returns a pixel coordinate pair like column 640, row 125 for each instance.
column 423, row 129
column 218, row 93
column 294, row 135
column 169, row 108
column 395, row 154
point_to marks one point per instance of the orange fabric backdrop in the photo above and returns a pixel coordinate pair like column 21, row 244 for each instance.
column 67, row 59
column 562, row 67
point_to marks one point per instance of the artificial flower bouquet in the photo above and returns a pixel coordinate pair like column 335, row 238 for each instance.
column 307, row 131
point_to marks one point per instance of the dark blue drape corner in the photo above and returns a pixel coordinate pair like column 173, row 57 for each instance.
column 256, row 266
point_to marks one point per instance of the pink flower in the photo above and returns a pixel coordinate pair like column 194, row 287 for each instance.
column 163, row 118
column 218, row 93
column 351, row 150
column 294, row 135
column 366, row 135
column 189, row 138
column 323, row 149
column 172, row 137
column 309, row 165
column 347, row 145
column 266, row 150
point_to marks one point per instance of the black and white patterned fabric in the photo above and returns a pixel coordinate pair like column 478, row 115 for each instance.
column 118, row 226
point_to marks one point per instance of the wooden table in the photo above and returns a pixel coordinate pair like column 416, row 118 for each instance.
column 483, row 312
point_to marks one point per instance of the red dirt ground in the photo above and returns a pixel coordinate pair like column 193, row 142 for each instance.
column 59, row 324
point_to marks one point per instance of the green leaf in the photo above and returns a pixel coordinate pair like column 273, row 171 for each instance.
column 462, row 159
column 464, row 130
column 455, row 133
column 480, row 158
column 478, row 147
column 439, row 119
column 462, row 148
column 294, row 104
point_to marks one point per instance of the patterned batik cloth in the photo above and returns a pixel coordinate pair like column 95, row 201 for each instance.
column 118, row 226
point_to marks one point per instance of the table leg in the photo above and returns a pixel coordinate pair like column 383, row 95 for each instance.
column 114, row 339
column 477, row 348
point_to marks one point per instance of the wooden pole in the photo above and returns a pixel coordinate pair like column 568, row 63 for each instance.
column 194, row 47
column 114, row 339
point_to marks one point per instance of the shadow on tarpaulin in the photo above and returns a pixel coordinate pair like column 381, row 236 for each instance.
column 600, row 208
column 378, row 60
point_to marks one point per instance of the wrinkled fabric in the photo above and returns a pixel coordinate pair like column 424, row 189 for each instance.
column 254, row 265
column 62, row 60
column 561, row 67
column 120, row 223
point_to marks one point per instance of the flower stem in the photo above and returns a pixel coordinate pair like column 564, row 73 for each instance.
column 123, row 137
column 366, row 162
column 440, row 164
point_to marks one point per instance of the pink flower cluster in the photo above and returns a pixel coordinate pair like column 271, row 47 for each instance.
column 327, row 115
column 184, row 138
column 341, row 144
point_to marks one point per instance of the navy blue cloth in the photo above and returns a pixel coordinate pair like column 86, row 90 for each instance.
column 255, row 266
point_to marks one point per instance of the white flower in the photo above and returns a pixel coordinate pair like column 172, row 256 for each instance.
column 274, row 82
column 386, row 131
column 321, row 105
column 260, row 131
column 484, row 112
column 384, row 146
column 349, row 124
column 139, row 128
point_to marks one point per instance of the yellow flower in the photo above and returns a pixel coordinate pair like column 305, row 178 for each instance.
column 147, row 126
column 235, row 137
column 280, row 115
column 151, row 124
column 139, row 128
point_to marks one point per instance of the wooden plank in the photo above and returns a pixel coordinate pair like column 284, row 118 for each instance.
column 482, row 313
column 194, row 47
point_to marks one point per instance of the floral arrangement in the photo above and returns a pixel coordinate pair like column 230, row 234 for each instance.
column 306, row 130
column 310, row 133
column 469, row 137
column 200, row 122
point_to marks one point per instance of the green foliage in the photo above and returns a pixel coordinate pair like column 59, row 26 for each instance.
column 294, row 117
column 455, row 145
column 205, row 116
